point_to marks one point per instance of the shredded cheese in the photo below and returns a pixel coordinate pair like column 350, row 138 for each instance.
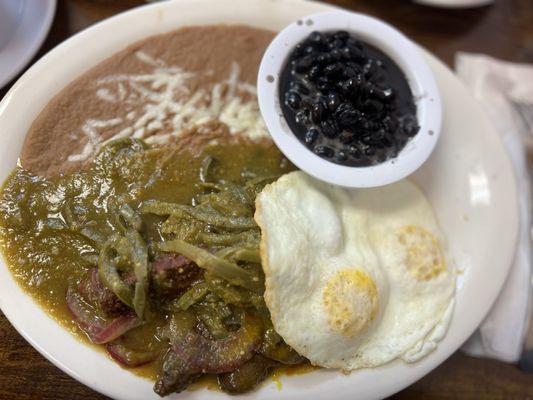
column 161, row 97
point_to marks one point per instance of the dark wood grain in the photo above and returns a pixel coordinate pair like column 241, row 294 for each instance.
column 504, row 30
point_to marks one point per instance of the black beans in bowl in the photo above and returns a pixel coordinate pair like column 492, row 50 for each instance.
column 346, row 100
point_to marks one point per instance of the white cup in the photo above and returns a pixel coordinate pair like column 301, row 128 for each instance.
column 401, row 50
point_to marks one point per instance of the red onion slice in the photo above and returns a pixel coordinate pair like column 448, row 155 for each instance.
column 199, row 354
column 96, row 329
column 127, row 357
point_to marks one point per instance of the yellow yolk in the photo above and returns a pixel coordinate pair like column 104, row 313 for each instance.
column 424, row 258
column 351, row 302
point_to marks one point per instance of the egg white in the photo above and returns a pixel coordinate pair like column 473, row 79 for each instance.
column 337, row 284
column 420, row 299
column 306, row 244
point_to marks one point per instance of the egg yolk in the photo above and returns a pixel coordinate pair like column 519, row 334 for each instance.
column 424, row 258
column 351, row 301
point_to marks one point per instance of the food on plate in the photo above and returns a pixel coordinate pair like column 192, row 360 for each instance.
column 354, row 278
column 157, row 89
column 132, row 220
column 346, row 100
column 131, row 217
column 153, row 253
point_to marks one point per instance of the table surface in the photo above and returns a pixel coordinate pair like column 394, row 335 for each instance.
column 503, row 30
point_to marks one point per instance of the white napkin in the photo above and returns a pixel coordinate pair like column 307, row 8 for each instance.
column 498, row 86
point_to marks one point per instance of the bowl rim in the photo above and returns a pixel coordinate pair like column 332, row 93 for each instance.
column 401, row 50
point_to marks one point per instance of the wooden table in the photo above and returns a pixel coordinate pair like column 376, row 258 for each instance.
column 504, row 30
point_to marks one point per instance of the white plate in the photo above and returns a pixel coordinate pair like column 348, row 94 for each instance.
column 24, row 25
column 468, row 179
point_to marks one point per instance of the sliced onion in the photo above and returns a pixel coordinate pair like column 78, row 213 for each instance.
column 127, row 357
column 116, row 328
column 98, row 331
column 96, row 285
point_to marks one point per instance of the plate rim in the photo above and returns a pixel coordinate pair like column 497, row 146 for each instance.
column 28, row 77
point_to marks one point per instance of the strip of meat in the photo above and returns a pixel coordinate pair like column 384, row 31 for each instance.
column 173, row 274
column 247, row 376
column 174, row 377
column 192, row 353
column 98, row 295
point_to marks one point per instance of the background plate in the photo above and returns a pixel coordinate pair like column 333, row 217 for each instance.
column 24, row 25
column 468, row 179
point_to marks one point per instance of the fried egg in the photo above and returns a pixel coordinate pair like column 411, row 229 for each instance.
column 353, row 278
column 405, row 235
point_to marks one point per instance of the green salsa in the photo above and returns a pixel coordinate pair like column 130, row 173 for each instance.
column 52, row 230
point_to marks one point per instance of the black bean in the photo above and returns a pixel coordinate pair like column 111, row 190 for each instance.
column 378, row 138
column 367, row 139
column 388, row 94
column 390, row 123
column 311, row 135
column 369, row 69
column 302, row 117
column 410, row 126
column 299, row 88
column 317, row 37
column 307, row 102
column 333, row 70
column 345, row 53
column 293, row 100
column 303, row 64
column 323, row 59
column 378, row 135
column 335, row 44
column 336, row 55
column 298, row 51
column 354, row 42
column 309, row 50
column 369, row 125
column 354, row 151
column 329, row 128
column 388, row 139
column 347, row 89
column 351, row 87
column 356, row 54
column 370, row 151
column 318, row 111
column 333, row 101
column 385, row 95
column 324, row 151
column 372, row 106
column 367, row 88
column 314, row 73
column 341, row 156
column 323, row 84
column 341, row 35
column 346, row 137
column 347, row 116
column 350, row 71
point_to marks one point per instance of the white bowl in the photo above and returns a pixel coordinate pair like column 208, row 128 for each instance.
column 401, row 50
